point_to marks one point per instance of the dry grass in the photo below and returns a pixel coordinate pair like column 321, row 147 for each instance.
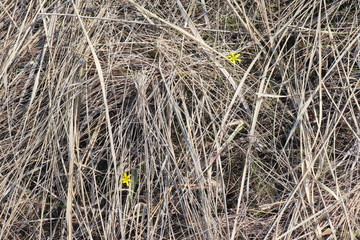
column 265, row 149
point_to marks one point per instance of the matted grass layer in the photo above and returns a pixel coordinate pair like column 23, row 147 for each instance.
column 267, row 148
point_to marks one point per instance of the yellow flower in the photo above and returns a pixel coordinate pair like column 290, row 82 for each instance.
column 234, row 57
column 127, row 179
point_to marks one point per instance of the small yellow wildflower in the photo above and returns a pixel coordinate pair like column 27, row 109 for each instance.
column 127, row 179
column 234, row 57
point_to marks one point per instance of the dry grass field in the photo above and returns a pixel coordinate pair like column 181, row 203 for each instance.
column 125, row 119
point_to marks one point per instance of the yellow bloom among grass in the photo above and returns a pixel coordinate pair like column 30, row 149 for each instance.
column 127, row 179
column 234, row 57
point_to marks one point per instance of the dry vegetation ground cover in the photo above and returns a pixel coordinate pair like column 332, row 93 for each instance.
column 267, row 148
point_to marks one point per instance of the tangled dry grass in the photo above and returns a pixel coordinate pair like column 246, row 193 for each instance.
column 264, row 149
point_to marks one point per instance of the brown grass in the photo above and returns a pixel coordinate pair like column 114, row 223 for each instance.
column 265, row 149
